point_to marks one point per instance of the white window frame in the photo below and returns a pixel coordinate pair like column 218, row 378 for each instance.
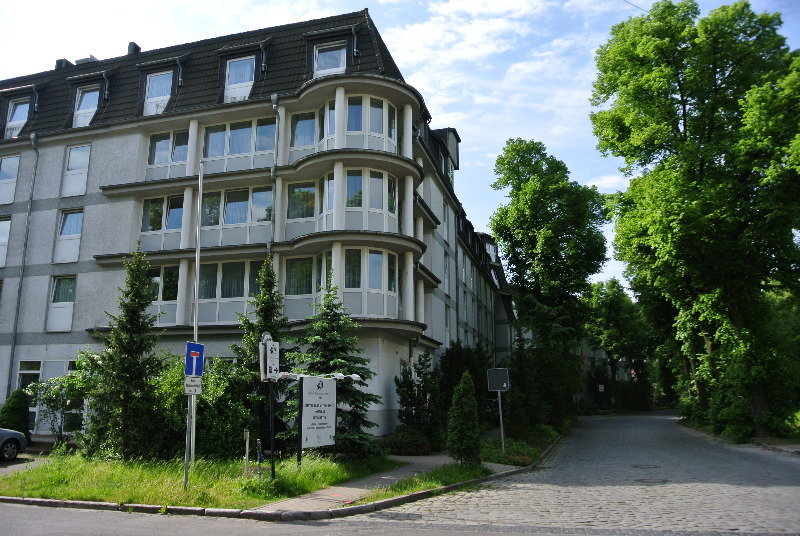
column 59, row 314
column 386, row 141
column 73, row 181
column 257, row 159
column 322, row 47
column 240, row 91
column 8, row 187
column 156, row 105
column 13, row 127
column 82, row 118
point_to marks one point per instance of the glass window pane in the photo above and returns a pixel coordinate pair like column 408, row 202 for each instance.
column 375, row 269
column 30, row 365
column 78, row 158
column 155, row 282
column 180, row 146
column 87, row 99
column 159, row 149
column 318, row 281
column 352, row 268
column 241, row 70
column 392, row 195
column 254, row 288
column 5, row 228
column 64, row 290
column 262, row 204
column 392, row 122
column 210, row 209
column 265, row 134
column 9, row 168
column 236, row 206
column 301, row 201
column 329, row 268
column 299, row 276
column 215, row 141
column 354, row 188
column 329, row 191
column 354, row 113
column 241, row 138
column 152, row 215
column 19, row 111
column 331, row 118
column 159, row 85
column 321, row 124
column 208, row 281
column 376, row 116
column 375, row 189
column 174, row 211
column 303, row 129
column 71, row 223
column 330, row 57
column 232, row 279
column 392, row 267
column 169, row 284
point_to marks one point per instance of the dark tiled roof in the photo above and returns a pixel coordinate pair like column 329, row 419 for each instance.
column 288, row 67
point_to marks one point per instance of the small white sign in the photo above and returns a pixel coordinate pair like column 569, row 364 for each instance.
column 318, row 411
column 269, row 357
column 192, row 385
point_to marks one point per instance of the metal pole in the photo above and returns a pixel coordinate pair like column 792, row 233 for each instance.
column 271, row 429
column 186, row 452
column 246, row 450
column 193, row 402
column 502, row 433
column 300, row 425
column 194, row 421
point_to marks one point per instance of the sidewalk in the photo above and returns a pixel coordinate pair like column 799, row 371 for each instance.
column 336, row 496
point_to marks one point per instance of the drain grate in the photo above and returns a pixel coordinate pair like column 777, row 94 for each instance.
column 645, row 466
column 652, row 480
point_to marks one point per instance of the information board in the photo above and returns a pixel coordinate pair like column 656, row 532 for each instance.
column 497, row 379
column 318, row 411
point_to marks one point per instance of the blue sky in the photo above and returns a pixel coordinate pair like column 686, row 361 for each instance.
column 492, row 69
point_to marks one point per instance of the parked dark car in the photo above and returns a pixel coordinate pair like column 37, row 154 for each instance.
column 11, row 444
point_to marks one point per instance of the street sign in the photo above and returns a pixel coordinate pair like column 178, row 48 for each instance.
column 194, row 359
column 192, row 385
column 269, row 352
column 498, row 379
column 317, row 411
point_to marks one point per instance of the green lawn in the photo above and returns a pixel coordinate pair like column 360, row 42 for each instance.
column 441, row 476
column 212, row 484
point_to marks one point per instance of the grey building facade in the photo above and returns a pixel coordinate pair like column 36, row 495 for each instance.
column 315, row 155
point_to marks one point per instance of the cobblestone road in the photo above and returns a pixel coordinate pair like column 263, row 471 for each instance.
column 626, row 474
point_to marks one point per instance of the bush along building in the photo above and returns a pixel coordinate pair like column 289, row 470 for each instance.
column 316, row 156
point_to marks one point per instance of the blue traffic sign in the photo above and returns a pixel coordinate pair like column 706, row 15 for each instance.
column 194, row 359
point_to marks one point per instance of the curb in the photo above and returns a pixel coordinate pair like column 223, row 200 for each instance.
column 269, row 515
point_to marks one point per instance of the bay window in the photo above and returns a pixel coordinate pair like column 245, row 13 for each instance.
column 371, row 124
column 167, row 156
column 375, row 292
column 235, row 216
column 239, row 146
column 379, row 189
column 224, row 288
column 164, row 293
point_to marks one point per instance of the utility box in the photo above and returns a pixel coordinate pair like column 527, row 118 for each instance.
column 498, row 379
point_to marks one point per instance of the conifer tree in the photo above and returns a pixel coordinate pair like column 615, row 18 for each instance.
column 331, row 347
column 463, row 431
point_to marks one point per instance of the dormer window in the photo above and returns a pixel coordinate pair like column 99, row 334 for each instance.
column 159, row 89
column 239, row 77
column 85, row 105
column 17, row 116
column 329, row 59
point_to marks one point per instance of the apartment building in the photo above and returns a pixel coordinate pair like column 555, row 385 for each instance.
column 314, row 155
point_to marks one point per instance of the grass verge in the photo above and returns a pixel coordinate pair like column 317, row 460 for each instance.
column 517, row 452
column 441, row 476
column 212, row 484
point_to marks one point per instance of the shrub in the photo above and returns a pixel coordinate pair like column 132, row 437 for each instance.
column 407, row 441
column 463, row 431
column 14, row 413
column 417, row 396
column 517, row 452
column 544, row 433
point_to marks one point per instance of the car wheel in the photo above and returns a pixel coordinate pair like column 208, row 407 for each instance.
column 9, row 450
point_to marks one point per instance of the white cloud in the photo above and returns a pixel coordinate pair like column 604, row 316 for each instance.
column 478, row 8
column 609, row 183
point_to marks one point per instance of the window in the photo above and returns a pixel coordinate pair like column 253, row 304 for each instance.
column 5, row 230
column 228, row 281
column 303, row 129
column 17, row 116
column 446, row 274
column 375, row 267
column 71, row 223
column 391, row 196
column 261, row 204
column 240, row 139
column 160, row 213
column 208, row 281
column 238, row 146
column 239, row 77
column 168, row 147
column 376, row 116
column 265, row 134
column 376, row 190
column 371, row 124
column 354, row 189
column 354, row 114
column 236, row 203
column 299, row 275
column 329, row 59
column 446, row 323
column 157, row 93
column 352, row 268
column 164, row 283
column 255, row 268
column 392, row 269
column 232, row 280
column 78, row 158
column 86, row 102
column 9, row 167
column 29, row 372
column 446, row 221
column 64, row 289
column 301, row 201
column 236, row 207
column 215, row 141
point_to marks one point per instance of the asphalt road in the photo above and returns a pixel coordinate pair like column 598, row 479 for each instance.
column 632, row 475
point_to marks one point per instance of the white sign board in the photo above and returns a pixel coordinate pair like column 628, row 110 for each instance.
column 318, row 411
column 269, row 353
column 192, row 385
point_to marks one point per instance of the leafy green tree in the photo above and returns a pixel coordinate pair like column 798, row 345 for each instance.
column 60, row 401
column 330, row 346
column 14, row 413
column 266, row 316
column 456, row 359
column 550, row 235
column 417, row 396
column 704, row 109
column 463, row 429
column 124, row 418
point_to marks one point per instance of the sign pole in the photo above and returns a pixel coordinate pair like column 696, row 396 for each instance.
column 272, row 429
column 502, row 432
column 300, row 425
column 186, row 452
